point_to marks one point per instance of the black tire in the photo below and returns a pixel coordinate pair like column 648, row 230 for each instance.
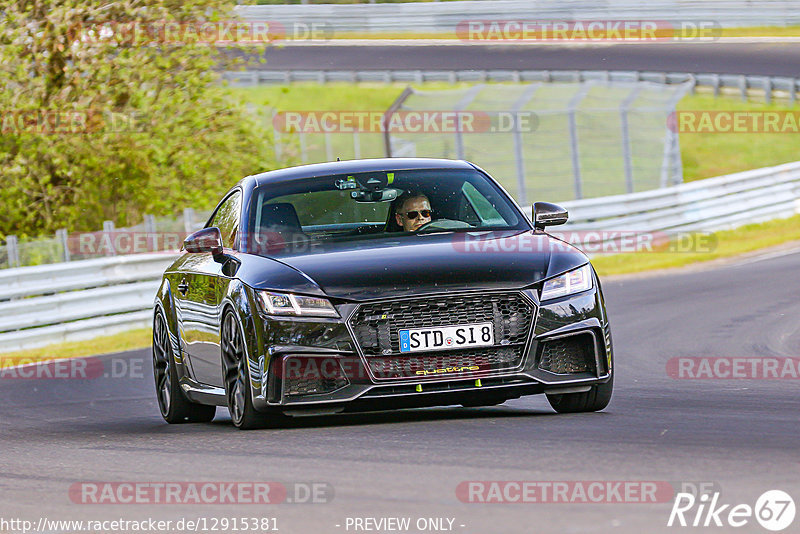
column 593, row 400
column 237, row 377
column 175, row 408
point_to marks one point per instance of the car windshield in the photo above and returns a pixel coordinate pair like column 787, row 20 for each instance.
column 378, row 204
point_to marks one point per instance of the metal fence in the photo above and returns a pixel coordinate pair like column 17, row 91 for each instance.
column 540, row 140
column 79, row 300
column 581, row 140
column 599, row 132
column 444, row 17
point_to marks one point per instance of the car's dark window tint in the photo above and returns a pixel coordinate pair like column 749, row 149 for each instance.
column 364, row 206
column 227, row 219
column 333, row 207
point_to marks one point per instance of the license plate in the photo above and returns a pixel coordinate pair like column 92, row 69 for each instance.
column 446, row 337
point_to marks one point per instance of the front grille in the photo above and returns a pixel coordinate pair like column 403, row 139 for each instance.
column 573, row 354
column 376, row 328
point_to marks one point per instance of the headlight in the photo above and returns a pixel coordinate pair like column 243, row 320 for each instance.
column 288, row 304
column 575, row 281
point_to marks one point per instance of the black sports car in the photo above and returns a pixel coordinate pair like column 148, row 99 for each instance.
column 376, row 284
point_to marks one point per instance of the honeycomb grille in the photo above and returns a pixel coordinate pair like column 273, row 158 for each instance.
column 453, row 363
column 376, row 325
column 307, row 376
column 312, row 386
column 574, row 354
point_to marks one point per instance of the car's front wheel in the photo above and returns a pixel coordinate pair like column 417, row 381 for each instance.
column 173, row 404
column 593, row 400
column 237, row 376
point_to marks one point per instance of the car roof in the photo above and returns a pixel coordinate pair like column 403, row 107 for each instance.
column 355, row 166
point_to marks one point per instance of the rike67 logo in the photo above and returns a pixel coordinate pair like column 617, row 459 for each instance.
column 774, row 510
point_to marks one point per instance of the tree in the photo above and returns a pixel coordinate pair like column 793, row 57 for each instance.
column 108, row 115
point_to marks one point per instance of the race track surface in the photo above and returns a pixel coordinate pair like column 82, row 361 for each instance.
column 740, row 436
column 774, row 59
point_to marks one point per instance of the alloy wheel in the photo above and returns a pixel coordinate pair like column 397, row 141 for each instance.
column 161, row 364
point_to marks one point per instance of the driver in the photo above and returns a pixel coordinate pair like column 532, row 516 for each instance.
column 413, row 211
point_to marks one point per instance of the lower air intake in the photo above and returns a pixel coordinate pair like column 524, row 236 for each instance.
column 567, row 355
column 312, row 376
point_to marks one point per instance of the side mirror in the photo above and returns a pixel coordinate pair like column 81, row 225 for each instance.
column 205, row 240
column 547, row 214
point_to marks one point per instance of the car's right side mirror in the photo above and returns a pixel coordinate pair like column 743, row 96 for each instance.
column 205, row 240
column 547, row 214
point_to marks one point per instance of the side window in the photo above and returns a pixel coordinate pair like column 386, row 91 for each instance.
column 227, row 219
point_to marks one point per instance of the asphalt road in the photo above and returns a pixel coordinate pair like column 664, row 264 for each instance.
column 775, row 59
column 741, row 436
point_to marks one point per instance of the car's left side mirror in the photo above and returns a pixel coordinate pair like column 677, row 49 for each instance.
column 205, row 240
column 547, row 214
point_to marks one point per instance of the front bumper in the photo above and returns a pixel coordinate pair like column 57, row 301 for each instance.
column 317, row 366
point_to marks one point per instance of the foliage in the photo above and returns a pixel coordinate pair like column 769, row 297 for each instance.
column 100, row 122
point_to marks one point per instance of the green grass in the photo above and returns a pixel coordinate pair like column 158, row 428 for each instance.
column 705, row 155
column 130, row 340
column 729, row 243
column 308, row 96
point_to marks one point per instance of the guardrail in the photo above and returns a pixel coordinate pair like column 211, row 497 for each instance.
column 83, row 299
column 49, row 304
column 441, row 17
column 705, row 205
column 743, row 84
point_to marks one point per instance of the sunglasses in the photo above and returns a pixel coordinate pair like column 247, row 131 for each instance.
column 414, row 214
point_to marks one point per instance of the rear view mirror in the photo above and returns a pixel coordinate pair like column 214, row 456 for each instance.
column 385, row 195
column 547, row 214
column 205, row 240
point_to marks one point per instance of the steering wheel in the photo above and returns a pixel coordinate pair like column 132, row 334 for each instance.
column 443, row 224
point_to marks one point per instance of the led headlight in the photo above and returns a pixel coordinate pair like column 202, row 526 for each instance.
column 288, row 304
column 574, row 281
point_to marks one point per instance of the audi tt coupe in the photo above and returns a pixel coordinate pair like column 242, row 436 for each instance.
column 373, row 285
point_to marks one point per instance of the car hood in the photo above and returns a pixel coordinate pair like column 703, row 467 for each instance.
column 421, row 264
